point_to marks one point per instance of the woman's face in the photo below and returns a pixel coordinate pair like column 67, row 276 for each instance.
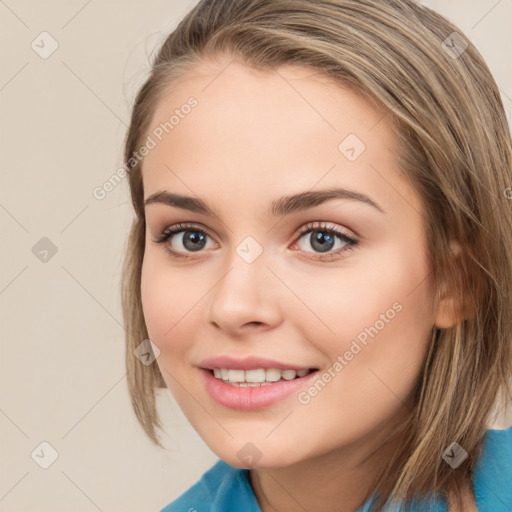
column 267, row 277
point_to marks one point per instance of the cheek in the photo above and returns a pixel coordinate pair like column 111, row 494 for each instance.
column 378, row 319
column 154, row 297
column 173, row 299
column 388, row 295
column 374, row 363
column 167, row 300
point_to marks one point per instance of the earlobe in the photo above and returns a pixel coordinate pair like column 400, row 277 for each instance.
column 446, row 314
column 449, row 312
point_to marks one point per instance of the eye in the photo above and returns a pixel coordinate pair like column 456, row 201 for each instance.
column 192, row 240
column 322, row 237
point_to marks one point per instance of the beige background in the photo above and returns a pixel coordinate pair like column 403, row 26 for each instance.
column 63, row 119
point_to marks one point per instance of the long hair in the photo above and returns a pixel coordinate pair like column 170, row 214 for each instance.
column 453, row 145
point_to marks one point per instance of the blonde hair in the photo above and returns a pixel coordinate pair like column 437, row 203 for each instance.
column 454, row 146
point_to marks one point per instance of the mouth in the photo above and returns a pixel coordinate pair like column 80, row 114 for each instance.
column 257, row 377
column 254, row 389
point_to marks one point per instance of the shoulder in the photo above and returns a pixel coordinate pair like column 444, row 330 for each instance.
column 492, row 477
column 222, row 488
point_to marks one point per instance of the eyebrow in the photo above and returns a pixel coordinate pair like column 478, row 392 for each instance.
column 280, row 207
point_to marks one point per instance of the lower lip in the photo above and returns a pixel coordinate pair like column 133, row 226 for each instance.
column 251, row 398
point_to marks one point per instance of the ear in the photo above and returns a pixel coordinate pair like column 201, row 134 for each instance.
column 449, row 311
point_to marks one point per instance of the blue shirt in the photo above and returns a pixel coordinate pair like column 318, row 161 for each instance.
column 226, row 489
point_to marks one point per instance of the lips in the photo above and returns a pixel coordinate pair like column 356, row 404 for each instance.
column 258, row 395
column 249, row 363
column 252, row 398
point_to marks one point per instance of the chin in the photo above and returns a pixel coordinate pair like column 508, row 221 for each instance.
column 253, row 456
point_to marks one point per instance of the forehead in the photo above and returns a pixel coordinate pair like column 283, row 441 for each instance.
column 265, row 131
column 273, row 98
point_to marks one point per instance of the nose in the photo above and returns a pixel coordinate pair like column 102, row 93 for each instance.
column 245, row 298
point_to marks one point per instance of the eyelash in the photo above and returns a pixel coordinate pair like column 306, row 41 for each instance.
column 322, row 227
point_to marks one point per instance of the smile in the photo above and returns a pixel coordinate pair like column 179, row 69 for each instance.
column 247, row 395
column 257, row 377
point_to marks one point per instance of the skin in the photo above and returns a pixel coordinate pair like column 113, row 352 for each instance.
column 254, row 137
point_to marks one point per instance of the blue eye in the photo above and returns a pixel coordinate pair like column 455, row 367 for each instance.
column 322, row 238
column 193, row 239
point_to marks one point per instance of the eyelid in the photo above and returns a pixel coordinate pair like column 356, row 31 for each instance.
column 305, row 228
column 327, row 226
column 173, row 229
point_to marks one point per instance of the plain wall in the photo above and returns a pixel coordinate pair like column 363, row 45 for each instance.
column 62, row 373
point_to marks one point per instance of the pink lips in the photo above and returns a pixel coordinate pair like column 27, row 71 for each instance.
column 247, row 363
column 252, row 398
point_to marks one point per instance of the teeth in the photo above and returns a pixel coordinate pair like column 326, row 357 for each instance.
column 249, row 384
column 288, row 374
column 273, row 374
column 257, row 376
column 236, row 375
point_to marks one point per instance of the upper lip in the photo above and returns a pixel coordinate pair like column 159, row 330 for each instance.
column 247, row 363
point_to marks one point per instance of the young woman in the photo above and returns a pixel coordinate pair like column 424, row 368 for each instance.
column 321, row 256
